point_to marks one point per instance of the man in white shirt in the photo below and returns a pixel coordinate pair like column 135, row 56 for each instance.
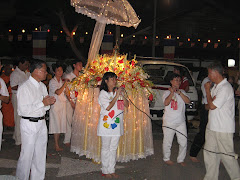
column 33, row 102
column 18, row 76
column 221, row 126
column 4, row 97
column 77, row 66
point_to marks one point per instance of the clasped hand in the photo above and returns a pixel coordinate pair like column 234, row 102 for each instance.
column 48, row 100
column 174, row 89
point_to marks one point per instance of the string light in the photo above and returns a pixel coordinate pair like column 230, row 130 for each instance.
column 156, row 37
column 199, row 40
column 177, row 37
column 209, row 41
column 189, row 39
column 122, row 35
column 48, row 30
column 134, row 36
column 219, row 40
column 145, row 37
column 73, row 33
column 61, row 32
column 23, row 31
column 9, row 30
column 86, row 33
column 238, row 39
column 36, row 29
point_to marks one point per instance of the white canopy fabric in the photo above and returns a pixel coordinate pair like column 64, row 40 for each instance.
column 118, row 12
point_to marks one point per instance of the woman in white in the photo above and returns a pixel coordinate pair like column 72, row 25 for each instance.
column 174, row 120
column 58, row 114
column 110, row 125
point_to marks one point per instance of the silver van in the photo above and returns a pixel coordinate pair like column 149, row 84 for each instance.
column 159, row 72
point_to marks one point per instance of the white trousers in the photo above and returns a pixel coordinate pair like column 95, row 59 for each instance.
column 33, row 150
column 220, row 142
column 168, row 139
column 17, row 133
column 68, row 133
column 109, row 153
column 1, row 129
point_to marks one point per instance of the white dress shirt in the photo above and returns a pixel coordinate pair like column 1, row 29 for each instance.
column 17, row 78
column 222, row 119
column 30, row 96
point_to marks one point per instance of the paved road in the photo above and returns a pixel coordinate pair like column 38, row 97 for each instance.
column 69, row 166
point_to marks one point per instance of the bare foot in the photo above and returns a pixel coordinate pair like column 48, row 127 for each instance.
column 183, row 164
column 58, row 149
column 114, row 175
column 107, row 175
column 169, row 162
column 194, row 159
column 67, row 144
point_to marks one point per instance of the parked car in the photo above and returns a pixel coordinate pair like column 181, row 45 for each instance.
column 159, row 72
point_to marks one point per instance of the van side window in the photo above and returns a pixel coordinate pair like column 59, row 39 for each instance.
column 160, row 73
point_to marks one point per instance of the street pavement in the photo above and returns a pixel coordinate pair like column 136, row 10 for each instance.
column 69, row 166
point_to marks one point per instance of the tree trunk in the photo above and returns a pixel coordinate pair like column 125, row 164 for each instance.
column 70, row 35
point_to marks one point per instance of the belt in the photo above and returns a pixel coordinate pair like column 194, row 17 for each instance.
column 34, row 119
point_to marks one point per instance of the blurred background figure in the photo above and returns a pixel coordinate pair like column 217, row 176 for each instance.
column 232, row 81
column 7, row 108
column 48, row 78
column 18, row 77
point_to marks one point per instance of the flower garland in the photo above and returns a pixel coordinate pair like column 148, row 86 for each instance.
column 130, row 76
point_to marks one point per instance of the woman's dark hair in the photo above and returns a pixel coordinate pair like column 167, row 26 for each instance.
column 36, row 64
column 57, row 65
column 173, row 75
column 106, row 76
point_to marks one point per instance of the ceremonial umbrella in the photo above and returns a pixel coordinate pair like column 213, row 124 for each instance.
column 118, row 12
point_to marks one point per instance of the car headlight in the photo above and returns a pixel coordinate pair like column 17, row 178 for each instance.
column 192, row 105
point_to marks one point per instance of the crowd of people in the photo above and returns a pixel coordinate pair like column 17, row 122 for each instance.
column 30, row 91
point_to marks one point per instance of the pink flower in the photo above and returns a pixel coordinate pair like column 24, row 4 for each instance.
column 150, row 97
column 98, row 78
column 76, row 93
column 120, row 61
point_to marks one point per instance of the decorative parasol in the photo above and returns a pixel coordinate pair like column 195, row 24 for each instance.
column 118, row 12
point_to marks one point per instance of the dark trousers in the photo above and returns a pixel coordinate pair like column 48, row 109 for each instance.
column 199, row 139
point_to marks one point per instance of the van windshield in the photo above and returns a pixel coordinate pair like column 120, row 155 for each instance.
column 160, row 73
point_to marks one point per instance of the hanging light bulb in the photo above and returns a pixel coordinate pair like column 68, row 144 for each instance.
column 23, row 31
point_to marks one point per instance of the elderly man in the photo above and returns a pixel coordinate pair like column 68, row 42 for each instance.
column 33, row 102
column 18, row 76
column 221, row 126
